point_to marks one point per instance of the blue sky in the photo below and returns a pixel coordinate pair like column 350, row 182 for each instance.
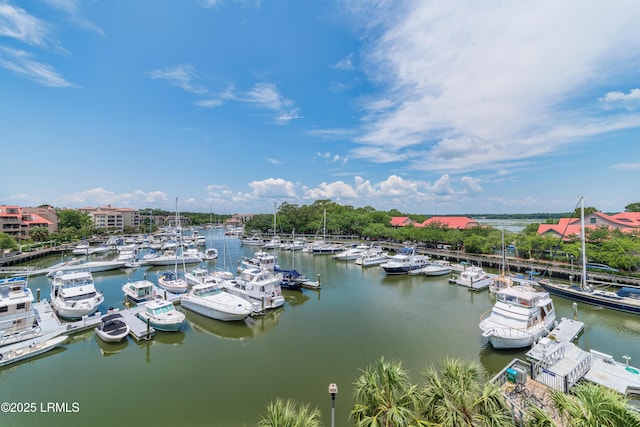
column 424, row 106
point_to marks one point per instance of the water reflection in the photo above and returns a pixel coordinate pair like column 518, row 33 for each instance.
column 249, row 327
column 111, row 348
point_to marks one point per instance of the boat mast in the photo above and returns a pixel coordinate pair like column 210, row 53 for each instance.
column 584, row 246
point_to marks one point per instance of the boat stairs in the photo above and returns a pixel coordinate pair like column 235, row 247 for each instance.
column 556, row 363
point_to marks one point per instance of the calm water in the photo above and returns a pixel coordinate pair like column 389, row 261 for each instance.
column 221, row 374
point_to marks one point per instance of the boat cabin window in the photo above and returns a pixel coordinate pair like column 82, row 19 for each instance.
column 4, row 309
column 20, row 306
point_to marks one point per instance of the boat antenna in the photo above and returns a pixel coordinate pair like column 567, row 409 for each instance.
column 557, row 246
column 583, row 282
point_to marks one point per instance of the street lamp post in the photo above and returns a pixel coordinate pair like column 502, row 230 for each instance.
column 333, row 390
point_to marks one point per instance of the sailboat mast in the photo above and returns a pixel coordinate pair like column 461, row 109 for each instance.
column 584, row 245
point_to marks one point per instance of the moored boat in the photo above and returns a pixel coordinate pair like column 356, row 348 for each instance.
column 375, row 255
column 211, row 300
column 17, row 317
column 405, row 260
column 520, row 316
column 162, row 315
column 73, row 295
column 171, row 282
column 112, row 328
column 474, row 278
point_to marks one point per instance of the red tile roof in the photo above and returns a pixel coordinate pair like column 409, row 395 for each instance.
column 458, row 222
column 401, row 221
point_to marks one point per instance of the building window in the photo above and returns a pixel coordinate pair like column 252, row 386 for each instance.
column 592, row 220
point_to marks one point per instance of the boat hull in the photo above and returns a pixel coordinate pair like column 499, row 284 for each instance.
column 213, row 312
column 589, row 298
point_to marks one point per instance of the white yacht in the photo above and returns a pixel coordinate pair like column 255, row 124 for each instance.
column 162, row 315
column 196, row 276
column 254, row 240
column 350, row 254
column 404, row 261
column 375, row 255
column 260, row 259
column 17, row 318
column 210, row 254
column 140, row 291
column 259, row 285
column 211, row 300
column 74, row 295
column 434, row 268
column 474, row 278
column 171, row 282
column 520, row 316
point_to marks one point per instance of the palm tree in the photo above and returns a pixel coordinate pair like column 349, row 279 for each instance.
column 588, row 405
column 460, row 395
column 385, row 397
column 287, row 414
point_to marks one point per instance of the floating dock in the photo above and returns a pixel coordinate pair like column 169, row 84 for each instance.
column 558, row 363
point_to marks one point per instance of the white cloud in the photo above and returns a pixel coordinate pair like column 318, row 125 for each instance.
column 20, row 62
column 628, row 166
column 182, row 76
column 18, row 24
column 72, row 8
column 266, row 95
column 500, row 90
column 345, row 64
column 629, row 100
column 273, row 187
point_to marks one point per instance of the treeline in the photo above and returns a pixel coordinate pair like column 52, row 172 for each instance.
column 612, row 247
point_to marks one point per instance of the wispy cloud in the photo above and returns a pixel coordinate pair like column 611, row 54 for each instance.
column 500, row 90
column 345, row 64
column 20, row 62
column 216, row 100
column 628, row 166
column 18, row 24
column 100, row 197
column 72, row 8
column 183, row 76
column 266, row 95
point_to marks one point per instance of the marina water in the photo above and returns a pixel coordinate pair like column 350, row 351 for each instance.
column 224, row 374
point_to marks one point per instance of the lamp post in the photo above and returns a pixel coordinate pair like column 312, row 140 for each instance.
column 333, row 390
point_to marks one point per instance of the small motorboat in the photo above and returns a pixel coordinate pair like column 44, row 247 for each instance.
column 112, row 328
column 162, row 315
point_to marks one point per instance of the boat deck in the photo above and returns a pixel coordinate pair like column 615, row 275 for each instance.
column 138, row 328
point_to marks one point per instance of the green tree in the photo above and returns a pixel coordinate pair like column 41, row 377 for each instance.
column 8, row 242
column 39, row 234
column 385, row 397
column 587, row 405
column 632, row 207
column 459, row 395
column 73, row 219
column 288, row 414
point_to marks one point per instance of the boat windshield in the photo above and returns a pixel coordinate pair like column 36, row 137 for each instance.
column 207, row 292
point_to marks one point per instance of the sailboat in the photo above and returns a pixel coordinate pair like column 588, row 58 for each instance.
column 502, row 281
column 170, row 280
column 320, row 247
column 627, row 299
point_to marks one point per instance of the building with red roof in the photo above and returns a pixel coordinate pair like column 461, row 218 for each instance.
column 452, row 222
column 401, row 221
column 625, row 221
column 17, row 222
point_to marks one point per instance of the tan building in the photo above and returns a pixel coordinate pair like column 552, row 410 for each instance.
column 18, row 222
column 113, row 219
